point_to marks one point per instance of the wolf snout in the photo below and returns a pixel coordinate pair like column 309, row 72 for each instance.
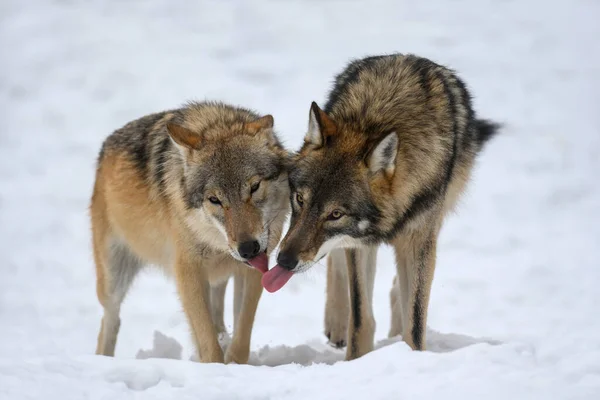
column 249, row 249
column 287, row 260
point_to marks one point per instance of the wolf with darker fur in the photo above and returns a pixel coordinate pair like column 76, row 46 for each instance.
column 383, row 162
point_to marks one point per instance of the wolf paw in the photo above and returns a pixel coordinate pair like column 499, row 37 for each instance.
column 339, row 344
column 336, row 331
column 237, row 355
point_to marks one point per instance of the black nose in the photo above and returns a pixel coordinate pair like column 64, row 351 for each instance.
column 249, row 249
column 287, row 261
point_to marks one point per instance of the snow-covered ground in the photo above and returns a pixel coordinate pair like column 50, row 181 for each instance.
column 513, row 313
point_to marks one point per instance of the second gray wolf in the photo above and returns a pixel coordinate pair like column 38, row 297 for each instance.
column 384, row 161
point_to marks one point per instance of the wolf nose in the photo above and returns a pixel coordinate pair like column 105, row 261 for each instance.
column 249, row 249
column 287, row 261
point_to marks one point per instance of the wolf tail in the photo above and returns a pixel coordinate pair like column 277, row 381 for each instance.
column 484, row 131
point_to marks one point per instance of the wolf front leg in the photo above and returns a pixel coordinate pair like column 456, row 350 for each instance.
column 415, row 258
column 217, row 305
column 192, row 286
column 238, row 297
column 361, row 326
column 396, row 308
column 239, row 349
column 337, row 305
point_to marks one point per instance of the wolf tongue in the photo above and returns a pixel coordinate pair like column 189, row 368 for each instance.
column 260, row 262
column 276, row 278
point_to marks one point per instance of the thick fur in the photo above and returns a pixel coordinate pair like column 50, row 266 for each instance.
column 151, row 204
column 384, row 162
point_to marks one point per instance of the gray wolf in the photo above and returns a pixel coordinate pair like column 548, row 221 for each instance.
column 383, row 162
column 202, row 192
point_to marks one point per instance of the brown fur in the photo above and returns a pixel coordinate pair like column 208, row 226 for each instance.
column 391, row 153
column 149, row 206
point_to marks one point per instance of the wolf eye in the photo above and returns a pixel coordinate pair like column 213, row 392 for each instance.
column 299, row 199
column 254, row 187
column 214, row 200
column 335, row 214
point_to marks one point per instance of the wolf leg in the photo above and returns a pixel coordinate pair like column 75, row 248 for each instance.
column 238, row 297
column 419, row 270
column 361, row 326
column 239, row 349
column 193, row 290
column 337, row 306
column 119, row 267
column 217, row 305
column 399, row 293
column 396, row 308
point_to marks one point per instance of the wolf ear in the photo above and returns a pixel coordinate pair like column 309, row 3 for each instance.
column 320, row 127
column 263, row 126
column 383, row 156
column 263, row 123
column 183, row 137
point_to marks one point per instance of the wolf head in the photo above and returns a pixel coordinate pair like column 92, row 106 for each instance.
column 235, row 180
column 340, row 182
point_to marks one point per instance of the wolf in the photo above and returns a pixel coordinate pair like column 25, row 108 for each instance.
column 202, row 192
column 383, row 162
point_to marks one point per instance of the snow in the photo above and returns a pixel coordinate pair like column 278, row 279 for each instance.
column 513, row 312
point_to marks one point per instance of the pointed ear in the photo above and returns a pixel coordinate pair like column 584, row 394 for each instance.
column 320, row 126
column 183, row 137
column 264, row 127
column 263, row 123
column 383, row 156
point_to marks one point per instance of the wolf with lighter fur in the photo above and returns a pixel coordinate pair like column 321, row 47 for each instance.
column 202, row 192
column 383, row 162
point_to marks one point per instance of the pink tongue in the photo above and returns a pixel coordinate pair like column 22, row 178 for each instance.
column 260, row 262
column 276, row 278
